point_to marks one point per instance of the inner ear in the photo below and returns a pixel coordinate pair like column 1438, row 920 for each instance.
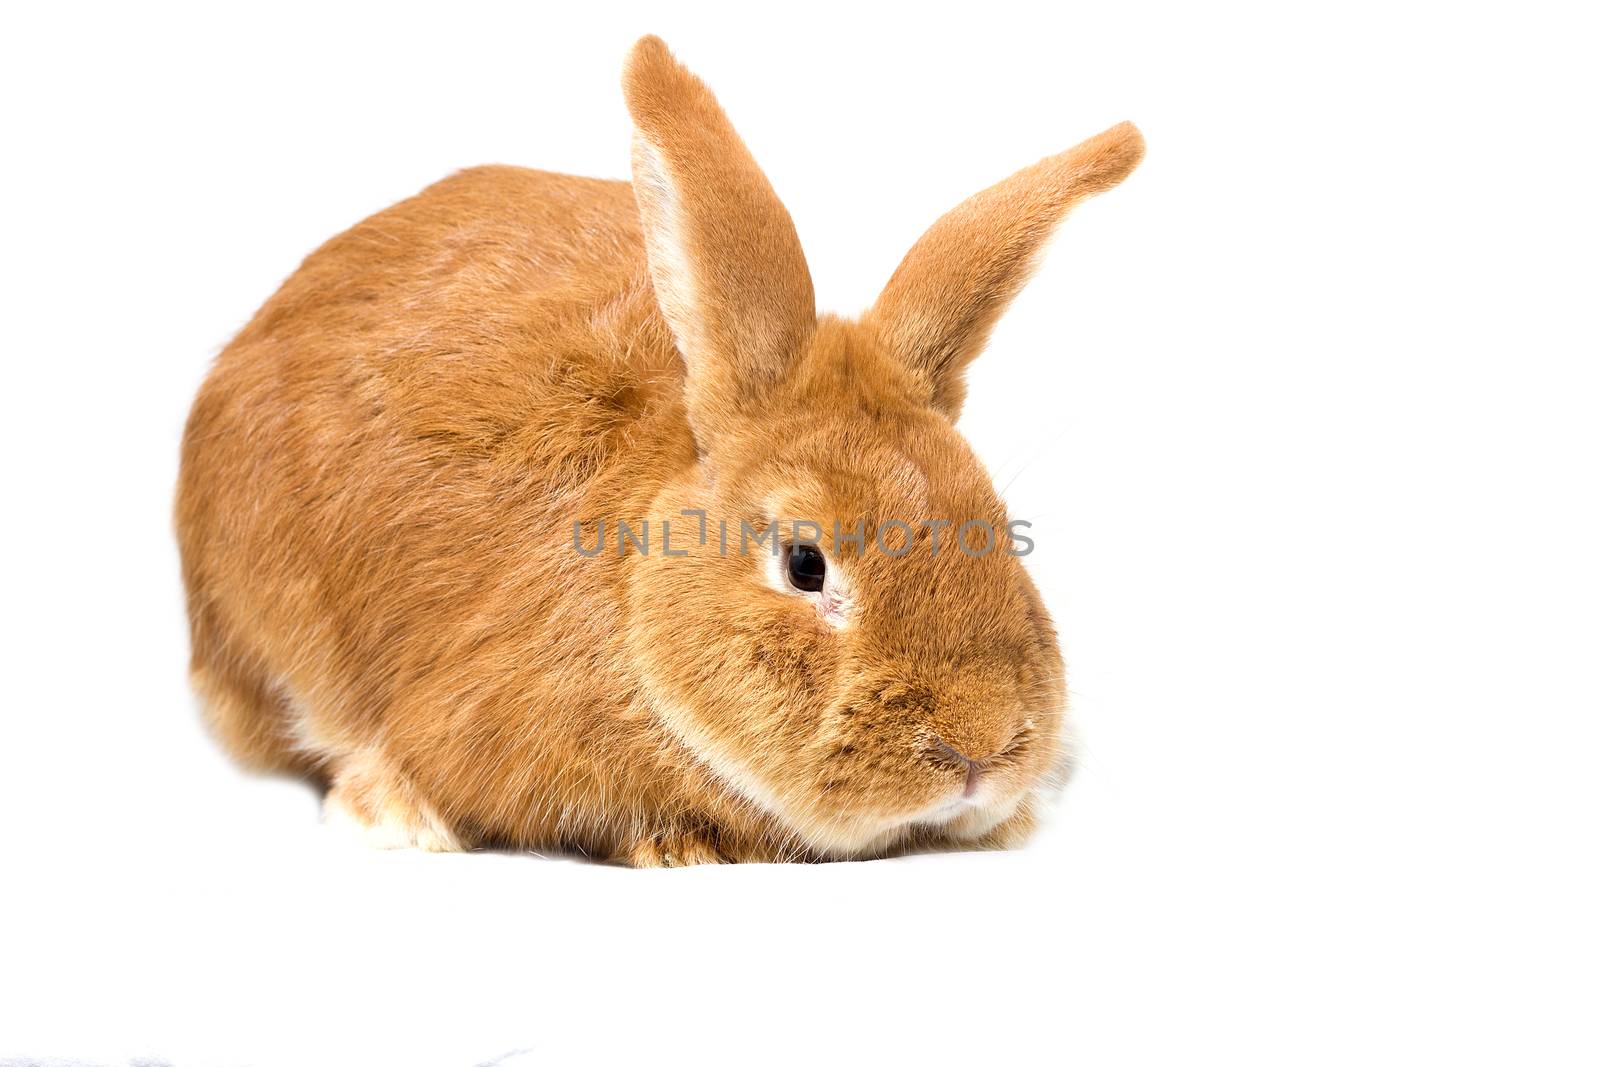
column 729, row 275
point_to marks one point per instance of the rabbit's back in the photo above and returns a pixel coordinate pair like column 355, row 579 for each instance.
column 381, row 473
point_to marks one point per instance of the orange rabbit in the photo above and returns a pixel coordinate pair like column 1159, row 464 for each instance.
column 395, row 479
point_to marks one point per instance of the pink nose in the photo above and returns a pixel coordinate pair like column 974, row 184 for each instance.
column 974, row 767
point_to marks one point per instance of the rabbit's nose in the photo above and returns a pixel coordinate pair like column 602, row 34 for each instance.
column 974, row 770
column 973, row 767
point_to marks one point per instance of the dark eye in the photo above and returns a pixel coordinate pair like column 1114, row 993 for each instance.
column 806, row 568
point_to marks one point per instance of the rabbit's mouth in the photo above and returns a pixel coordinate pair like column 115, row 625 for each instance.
column 980, row 784
column 949, row 811
column 986, row 788
column 972, row 815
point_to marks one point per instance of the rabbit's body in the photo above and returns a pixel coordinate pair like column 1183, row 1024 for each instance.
column 407, row 431
column 382, row 474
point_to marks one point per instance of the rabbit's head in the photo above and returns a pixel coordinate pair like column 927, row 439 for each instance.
column 837, row 624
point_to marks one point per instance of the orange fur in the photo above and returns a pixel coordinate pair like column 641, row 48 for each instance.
column 381, row 475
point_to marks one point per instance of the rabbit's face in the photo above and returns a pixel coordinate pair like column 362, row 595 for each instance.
column 853, row 646
column 873, row 682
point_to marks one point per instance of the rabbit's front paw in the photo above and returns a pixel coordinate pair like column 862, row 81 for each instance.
column 384, row 811
column 673, row 848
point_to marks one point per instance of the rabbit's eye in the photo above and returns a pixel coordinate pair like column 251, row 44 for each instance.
column 806, row 568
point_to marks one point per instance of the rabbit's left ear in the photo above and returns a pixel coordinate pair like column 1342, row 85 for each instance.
column 938, row 308
column 726, row 262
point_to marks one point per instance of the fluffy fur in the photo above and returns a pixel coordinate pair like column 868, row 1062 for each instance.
column 381, row 474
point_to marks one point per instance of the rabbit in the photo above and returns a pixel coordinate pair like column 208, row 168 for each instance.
column 399, row 485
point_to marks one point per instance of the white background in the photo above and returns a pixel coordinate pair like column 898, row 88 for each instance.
column 1304, row 414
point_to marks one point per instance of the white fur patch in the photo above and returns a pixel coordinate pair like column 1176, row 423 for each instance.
column 974, row 816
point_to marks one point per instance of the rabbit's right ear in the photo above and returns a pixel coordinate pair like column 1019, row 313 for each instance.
column 728, row 271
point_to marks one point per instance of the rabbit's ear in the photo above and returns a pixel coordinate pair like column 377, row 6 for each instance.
column 938, row 308
column 726, row 263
